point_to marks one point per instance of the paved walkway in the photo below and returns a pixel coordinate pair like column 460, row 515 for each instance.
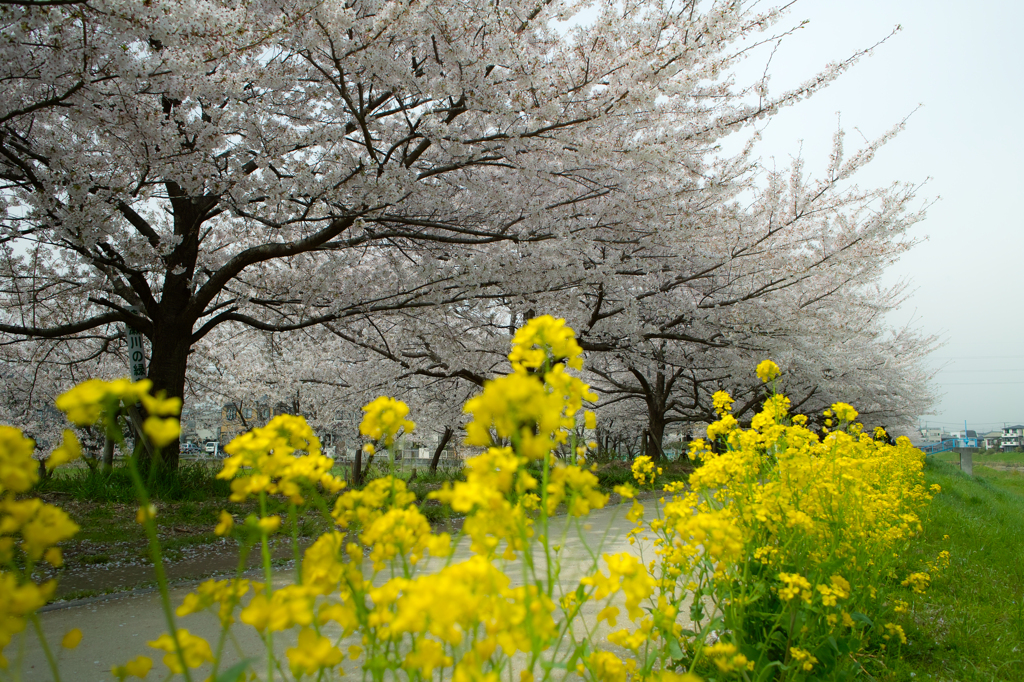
column 117, row 628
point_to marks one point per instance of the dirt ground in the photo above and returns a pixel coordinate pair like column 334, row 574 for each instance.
column 111, row 553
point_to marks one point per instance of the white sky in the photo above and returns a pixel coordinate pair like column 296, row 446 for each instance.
column 965, row 67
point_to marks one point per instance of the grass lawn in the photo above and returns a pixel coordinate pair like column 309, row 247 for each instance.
column 970, row 625
column 983, row 457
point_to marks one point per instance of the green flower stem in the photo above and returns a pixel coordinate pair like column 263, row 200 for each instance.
column 50, row 660
column 225, row 629
column 293, row 518
column 268, row 638
column 149, row 523
column 544, row 522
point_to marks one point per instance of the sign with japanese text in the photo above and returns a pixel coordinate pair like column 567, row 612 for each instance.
column 136, row 354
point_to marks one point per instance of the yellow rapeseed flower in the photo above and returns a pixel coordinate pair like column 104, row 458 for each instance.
column 71, row 639
column 145, row 514
column 795, row 585
column 42, row 525
column 545, row 340
column 195, row 650
column 767, row 370
column 727, row 657
column 54, row 557
column 313, row 652
column 225, row 524
column 282, row 457
column 722, row 402
column 18, row 471
column 68, row 451
column 607, row 667
column 160, row 405
column 269, row 525
column 844, row 412
column 384, row 418
column 137, row 667
column 803, row 658
column 162, row 432
column 643, row 470
column 84, row 404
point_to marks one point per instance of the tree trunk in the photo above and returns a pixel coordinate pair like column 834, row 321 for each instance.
column 445, row 437
column 655, row 436
column 167, row 366
column 357, row 466
column 108, row 454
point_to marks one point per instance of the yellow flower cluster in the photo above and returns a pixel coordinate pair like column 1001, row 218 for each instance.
column 30, row 530
column 312, row 653
column 545, row 341
column 625, row 573
column 88, row 402
column 226, row 594
column 727, row 657
column 577, row 487
column 18, row 471
column 535, row 406
column 803, row 658
column 919, row 582
column 68, row 451
column 384, row 418
column 402, row 533
column 495, row 497
column 18, row 600
column 137, row 667
column 362, row 507
column 767, row 370
column 282, row 457
column 777, row 509
column 644, row 470
column 794, row 585
column 793, row 531
column 195, row 650
column 607, row 667
column 722, row 402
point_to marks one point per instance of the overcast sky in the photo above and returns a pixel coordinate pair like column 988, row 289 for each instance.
column 959, row 71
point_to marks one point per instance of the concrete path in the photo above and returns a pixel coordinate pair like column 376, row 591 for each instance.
column 117, row 628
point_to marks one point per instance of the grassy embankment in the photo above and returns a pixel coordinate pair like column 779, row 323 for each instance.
column 985, row 457
column 970, row 625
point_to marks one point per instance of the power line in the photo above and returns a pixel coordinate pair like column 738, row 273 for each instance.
column 977, row 357
column 961, row 423
column 978, row 371
column 981, row 383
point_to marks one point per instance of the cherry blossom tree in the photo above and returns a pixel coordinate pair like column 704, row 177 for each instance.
column 702, row 291
column 181, row 166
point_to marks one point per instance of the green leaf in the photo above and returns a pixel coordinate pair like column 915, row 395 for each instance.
column 235, row 672
column 674, row 650
column 768, row 672
column 861, row 618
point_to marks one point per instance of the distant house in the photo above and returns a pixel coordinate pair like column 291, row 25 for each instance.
column 1013, row 437
column 933, row 434
column 237, row 418
column 990, row 440
column 200, row 423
